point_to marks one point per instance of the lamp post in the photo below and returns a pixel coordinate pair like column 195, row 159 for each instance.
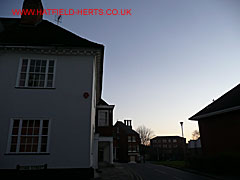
column 181, row 123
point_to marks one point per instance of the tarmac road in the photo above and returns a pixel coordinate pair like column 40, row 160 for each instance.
column 157, row 172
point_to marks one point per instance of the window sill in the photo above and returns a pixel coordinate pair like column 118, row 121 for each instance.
column 35, row 87
column 27, row 154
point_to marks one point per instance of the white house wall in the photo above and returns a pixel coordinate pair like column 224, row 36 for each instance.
column 71, row 114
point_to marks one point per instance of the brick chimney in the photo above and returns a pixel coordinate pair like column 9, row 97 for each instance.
column 128, row 123
column 36, row 7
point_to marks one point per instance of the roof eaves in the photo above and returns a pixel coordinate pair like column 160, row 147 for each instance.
column 214, row 113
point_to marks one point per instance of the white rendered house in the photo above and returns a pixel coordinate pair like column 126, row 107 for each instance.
column 51, row 84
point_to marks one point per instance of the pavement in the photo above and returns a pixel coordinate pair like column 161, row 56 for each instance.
column 117, row 172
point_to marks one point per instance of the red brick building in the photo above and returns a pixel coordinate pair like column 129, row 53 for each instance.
column 219, row 125
column 126, row 142
column 168, row 147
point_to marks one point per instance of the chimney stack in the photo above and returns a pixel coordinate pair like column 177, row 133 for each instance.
column 33, row 6
column 128, row 123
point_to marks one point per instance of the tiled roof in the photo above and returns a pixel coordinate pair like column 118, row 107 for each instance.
column 102, row 102
column 128, row 130
column 45, row 33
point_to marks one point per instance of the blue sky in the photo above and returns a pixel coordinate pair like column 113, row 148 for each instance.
column 166, row 61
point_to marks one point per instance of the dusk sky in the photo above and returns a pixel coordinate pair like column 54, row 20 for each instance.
column 163, row 63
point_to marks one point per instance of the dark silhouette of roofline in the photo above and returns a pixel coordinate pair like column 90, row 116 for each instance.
column 126, row 128
column 167, row 137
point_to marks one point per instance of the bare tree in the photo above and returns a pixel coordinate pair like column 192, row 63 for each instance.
column 195, row 135
column 145, row 134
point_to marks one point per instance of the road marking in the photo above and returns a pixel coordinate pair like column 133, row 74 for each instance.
column 139, row 177
column 133, row 174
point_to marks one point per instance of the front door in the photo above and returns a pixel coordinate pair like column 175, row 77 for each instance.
column 100, row 155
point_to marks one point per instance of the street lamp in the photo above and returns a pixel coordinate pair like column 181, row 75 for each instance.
column 181, row 123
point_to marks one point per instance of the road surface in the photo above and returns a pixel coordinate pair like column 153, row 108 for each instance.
column 150, row 171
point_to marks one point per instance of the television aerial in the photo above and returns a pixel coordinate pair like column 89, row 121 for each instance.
column 58, row 19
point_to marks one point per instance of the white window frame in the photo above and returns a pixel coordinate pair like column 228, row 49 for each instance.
column 99, row 115
column 129, row 138
column 8, row 151
column 130, row 148
column 134, row 148
column 133, row 138
column 27, row 73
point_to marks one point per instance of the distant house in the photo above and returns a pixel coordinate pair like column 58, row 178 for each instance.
column 104, row 132
column 126, row 142
column 194, row 147
column 194, row 144
column 51, row 85
column 219, row 125
column 168, row 147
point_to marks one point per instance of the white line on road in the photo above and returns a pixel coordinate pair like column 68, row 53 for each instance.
column 134, row 174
